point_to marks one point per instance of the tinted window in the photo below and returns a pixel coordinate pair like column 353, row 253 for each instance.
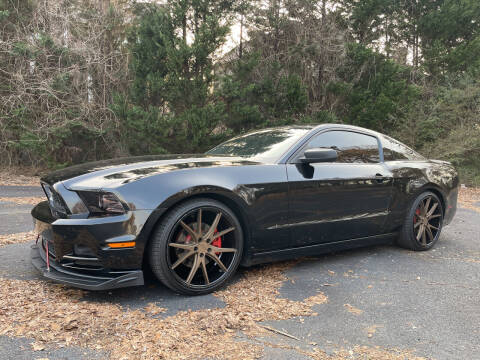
column 395, row 150
column 351, row 147
column 265, row 145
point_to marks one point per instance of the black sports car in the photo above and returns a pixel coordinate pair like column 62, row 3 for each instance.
column 269, row 195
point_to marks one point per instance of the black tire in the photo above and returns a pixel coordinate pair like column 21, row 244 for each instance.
column 177, row 236
column 420, row 230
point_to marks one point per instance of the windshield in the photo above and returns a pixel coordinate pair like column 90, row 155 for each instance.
column 264, row 145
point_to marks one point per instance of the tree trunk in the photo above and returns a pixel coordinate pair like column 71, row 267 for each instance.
column 240, row 47
column 324, row 12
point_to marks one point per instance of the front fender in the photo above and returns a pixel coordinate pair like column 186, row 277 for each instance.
column 235, row 195
column 258, row 194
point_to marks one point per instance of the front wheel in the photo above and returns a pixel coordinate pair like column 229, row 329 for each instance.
column 197, row 247
column 423, row 223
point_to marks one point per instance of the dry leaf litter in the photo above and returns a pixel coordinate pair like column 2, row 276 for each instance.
column 52, row 314
column 469, row 198
column 17, row 238
column 11, row 178
column 57, row 316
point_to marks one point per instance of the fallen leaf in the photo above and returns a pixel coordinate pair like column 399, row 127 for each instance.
column 38, row 346
column 353, row 309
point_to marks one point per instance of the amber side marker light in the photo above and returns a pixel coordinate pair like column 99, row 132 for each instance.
column 119, row 245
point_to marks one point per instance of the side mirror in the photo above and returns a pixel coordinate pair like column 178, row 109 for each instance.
column 316, row 155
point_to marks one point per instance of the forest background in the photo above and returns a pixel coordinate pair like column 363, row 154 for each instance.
column 83, row 80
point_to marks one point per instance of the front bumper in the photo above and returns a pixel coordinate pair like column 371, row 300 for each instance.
column 98, row 267
column 451, row 206
column 59, row 274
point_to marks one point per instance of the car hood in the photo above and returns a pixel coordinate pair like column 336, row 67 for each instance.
column 116, row 172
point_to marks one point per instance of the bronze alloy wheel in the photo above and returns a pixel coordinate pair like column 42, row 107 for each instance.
column 202, row 247
column 423, row 223
column 427, row 220
column 197, row 247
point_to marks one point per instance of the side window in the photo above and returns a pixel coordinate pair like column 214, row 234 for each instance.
column 351, row 147
column 395, row 150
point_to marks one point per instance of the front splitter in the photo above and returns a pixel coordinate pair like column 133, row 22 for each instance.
column 57, row 273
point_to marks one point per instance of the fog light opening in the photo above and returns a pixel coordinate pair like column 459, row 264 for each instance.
column 83, row 250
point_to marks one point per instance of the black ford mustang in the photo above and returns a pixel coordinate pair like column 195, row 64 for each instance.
column 268, row 195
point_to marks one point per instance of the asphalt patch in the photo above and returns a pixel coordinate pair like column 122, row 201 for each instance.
column 21, row 349
column 154, row 292
column 21, row 191
column 427, row 302
column 15, row 218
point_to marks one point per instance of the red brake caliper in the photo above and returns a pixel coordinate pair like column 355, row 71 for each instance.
column 217, row 242
column 417, row 212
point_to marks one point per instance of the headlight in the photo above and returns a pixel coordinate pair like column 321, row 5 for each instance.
column 102, row 203
column 57, row 205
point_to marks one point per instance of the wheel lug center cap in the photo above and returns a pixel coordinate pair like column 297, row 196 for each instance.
column 202, row 247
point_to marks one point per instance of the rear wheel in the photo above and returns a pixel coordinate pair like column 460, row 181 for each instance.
column 197, row 247
column 423, row 223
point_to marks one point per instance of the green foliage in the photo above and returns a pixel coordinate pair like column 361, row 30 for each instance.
column 149, row 41
column 171, row 105
column 450, row 31
column 367, row 18
column 446, row 126
column 149, row 131
column 272, row 99
column 158, row 79
column 142, row 131
column 168, row 67
column 376, row 90
column 195, row 130
column 22, row 49
column 12, row 13
column 324, row 116
column 4, row 14
column 61, row 82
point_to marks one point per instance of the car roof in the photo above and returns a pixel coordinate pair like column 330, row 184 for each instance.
column 347, row 127
column 317, row 127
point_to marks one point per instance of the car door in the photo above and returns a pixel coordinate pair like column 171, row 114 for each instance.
column 341, row 200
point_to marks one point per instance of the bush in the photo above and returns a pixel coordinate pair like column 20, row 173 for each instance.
column 377, row 92
column 446, row 125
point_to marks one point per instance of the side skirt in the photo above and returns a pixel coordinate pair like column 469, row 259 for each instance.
column 285, row 254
